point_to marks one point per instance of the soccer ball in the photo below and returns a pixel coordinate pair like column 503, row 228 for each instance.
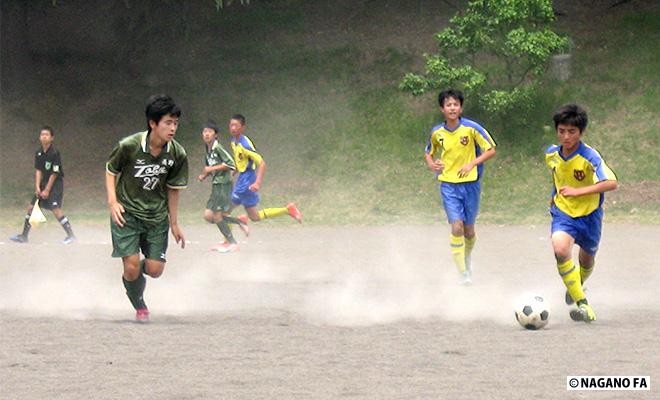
column 532, row 312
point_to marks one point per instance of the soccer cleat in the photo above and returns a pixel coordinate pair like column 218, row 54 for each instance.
column 142, row 315
column 69, row 239
column 583, row 313
column 466, row 278
column 569, row 300
column 19, row 239
column 294, row 212
column 244, row 226
column 225, row 247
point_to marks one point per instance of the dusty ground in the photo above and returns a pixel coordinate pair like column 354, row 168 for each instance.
column 323, row 313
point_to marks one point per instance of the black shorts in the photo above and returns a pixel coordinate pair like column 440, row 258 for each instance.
column 54, row 199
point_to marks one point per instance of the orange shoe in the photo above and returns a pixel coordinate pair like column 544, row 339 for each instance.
column 244, row 226
column 294, row 212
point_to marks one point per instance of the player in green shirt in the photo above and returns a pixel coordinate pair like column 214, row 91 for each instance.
column 143, row 176
column 220, row 165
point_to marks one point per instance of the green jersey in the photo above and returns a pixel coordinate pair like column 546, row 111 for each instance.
column 144, row 179
column 217, row 156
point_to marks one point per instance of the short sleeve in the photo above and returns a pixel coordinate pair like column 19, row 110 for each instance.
column 177, row 178
column 483, row 138
column 117, row 160
column 57, row 163
column 225, row 157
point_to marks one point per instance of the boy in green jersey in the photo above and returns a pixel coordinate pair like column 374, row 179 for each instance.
column 144, row 174
column 220, row 165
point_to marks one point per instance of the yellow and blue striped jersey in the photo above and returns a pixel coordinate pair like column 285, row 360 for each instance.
column 245, row 154
column 584, row 167
column 457, row 147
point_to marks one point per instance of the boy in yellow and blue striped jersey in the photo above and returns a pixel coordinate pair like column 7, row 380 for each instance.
column 251, row 167
column 455, row 152
column 580, row 178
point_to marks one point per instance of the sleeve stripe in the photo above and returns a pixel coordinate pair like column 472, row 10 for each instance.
column 108, row 170
column 177, row 187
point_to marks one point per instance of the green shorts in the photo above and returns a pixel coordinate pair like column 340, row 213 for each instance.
column 137, row 235
column 220, row 200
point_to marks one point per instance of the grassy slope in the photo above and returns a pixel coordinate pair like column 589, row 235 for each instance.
column 345, row 144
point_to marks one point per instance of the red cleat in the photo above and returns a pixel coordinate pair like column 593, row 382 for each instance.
column 142, row 315
column 294, row 212
column 244, row 226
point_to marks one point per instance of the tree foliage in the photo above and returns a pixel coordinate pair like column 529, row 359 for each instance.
column 494, row 51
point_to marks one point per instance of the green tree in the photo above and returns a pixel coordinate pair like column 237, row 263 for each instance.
column 494, row 51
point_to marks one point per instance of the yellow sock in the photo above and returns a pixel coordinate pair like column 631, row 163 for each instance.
column 585, row 273
column 571, row 277
column 457, row 246
column 273, row 212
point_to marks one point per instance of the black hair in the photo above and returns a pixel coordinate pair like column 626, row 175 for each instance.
column 160, row 105
column 49, row 129
column 210, row 124
column 571, row 114
column 444, row 95
column 239, row 117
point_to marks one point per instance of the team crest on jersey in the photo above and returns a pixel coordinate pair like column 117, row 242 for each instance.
column 578, row 174
column 464, row 140
column 48, row 164
column 139, row 161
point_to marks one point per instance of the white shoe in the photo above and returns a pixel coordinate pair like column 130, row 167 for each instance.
column 225, row 247
column 466, row 278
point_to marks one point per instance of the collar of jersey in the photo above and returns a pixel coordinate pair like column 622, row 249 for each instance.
column 144, row 140
column 573, row 154
column 206, row 148
column 460, row 122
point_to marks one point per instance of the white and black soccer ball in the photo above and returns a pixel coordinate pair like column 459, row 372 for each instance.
column 532, row 312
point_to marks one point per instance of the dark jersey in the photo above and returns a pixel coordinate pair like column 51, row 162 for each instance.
column 48, row 162
column 217, row 156
column 144, row 179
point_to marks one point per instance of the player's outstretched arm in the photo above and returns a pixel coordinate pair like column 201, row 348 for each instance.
column 116, row 209
column 173, row 210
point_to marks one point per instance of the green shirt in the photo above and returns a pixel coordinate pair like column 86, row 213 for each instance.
column 144, row 179
column 217, row 156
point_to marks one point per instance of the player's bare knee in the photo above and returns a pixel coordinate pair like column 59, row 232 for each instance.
column 131, row 273
column 457, row 228
column 154, row 268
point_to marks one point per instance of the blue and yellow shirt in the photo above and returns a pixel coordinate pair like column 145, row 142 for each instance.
column 247, row 160
column 458, row 147
column 584, row 167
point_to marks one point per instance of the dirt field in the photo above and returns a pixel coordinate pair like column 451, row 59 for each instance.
column 323, row 313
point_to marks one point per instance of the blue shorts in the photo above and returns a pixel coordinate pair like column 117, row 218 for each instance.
column 246, row 198
column 585, row 230
column 242, row 195
column 461, row 201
